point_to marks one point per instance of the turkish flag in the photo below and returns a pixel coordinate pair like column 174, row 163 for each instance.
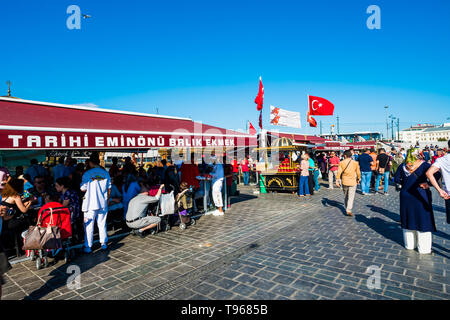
column 251, row 129
column 320, row 106
column 312, row 121
column 260, row 97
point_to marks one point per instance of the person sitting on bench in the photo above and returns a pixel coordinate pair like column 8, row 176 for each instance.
column 137, row 218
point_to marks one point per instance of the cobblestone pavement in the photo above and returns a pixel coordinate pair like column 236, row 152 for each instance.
column 271, row 246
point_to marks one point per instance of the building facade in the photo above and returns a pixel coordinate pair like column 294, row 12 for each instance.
column 425, row 134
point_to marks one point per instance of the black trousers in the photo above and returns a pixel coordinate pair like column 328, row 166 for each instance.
column 311, row 182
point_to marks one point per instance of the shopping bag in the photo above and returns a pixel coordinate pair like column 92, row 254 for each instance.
column 167, row 203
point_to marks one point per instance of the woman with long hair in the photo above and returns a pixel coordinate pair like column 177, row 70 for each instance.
column 416, row 211
column 11, row 196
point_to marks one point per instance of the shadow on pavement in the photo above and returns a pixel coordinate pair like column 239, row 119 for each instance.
column 242, row 197
column 389, row 230
column 61, row 274
column 436, row 246
column 332, row 203
column 389, row 214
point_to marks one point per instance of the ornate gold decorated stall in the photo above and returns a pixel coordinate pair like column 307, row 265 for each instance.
column 280, row 175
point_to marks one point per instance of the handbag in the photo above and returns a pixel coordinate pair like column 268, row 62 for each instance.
column 39, row 237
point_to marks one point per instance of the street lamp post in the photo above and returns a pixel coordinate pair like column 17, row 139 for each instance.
column 392, row 125
column 387, row 123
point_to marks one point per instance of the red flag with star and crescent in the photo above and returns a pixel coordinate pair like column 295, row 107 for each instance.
column 312, row 122
column 320, row 106
column 260, row 97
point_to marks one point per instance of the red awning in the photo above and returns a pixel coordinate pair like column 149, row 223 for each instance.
column 41, row 125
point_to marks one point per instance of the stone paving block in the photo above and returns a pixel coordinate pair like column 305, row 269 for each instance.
column 425, row 291
column 283, row 279
column 324, row 277
column 372, row 295
column 301, row 295
column 243, row 289
column 318, row 260
column 417, row 274
column 396, row 295
column 325, row 291
column 226, row 284
column 265, row 274
column 440, row 279
column 244, row 278
column 283, row 290
column 264, row 284
column 402, row 278
column 221, row 294
column 204, row 288
column 230, row 274
column 304, row 285
column 424, row 296
column 394, row 269
column 248, row 270
column 430, row 285
column 342, row 295
column 263, row 295
column 198, row 297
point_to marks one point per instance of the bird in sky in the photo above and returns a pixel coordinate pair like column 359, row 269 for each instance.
column 86, row 16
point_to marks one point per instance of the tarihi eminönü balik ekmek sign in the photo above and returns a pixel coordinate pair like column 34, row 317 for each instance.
column 79, row 140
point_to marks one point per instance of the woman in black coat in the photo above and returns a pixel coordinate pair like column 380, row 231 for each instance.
column 416, row 210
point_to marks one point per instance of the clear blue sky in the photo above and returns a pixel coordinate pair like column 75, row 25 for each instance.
column 202, row 59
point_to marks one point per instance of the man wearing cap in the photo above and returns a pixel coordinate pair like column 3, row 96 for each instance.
column 96, row 182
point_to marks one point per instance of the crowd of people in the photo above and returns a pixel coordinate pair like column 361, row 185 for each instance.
column 119, row 196
column 412, row 172
column 114, row 198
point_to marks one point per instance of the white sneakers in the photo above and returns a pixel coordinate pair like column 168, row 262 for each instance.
column 214, row 213
column 217, row 213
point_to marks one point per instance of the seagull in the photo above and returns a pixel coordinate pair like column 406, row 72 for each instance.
column 86, row 16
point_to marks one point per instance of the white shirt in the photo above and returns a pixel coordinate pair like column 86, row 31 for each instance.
column 443, row 163
column 96, row 183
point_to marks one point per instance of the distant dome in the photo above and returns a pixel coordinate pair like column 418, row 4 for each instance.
column 282, row 142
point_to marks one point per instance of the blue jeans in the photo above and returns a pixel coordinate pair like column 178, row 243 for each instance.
column 303, row 188
column 316, row 180
column 386, row 181
column 365, row 181
column 246, row 176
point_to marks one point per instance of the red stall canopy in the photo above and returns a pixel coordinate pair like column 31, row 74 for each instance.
column 28, row 124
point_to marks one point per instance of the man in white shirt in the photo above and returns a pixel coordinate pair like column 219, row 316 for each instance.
column 442, row 164
column 96, row 182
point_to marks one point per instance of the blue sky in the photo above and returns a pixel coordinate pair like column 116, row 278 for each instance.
column 202, row 59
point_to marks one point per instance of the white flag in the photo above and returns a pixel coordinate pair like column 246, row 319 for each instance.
column 281, row 117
